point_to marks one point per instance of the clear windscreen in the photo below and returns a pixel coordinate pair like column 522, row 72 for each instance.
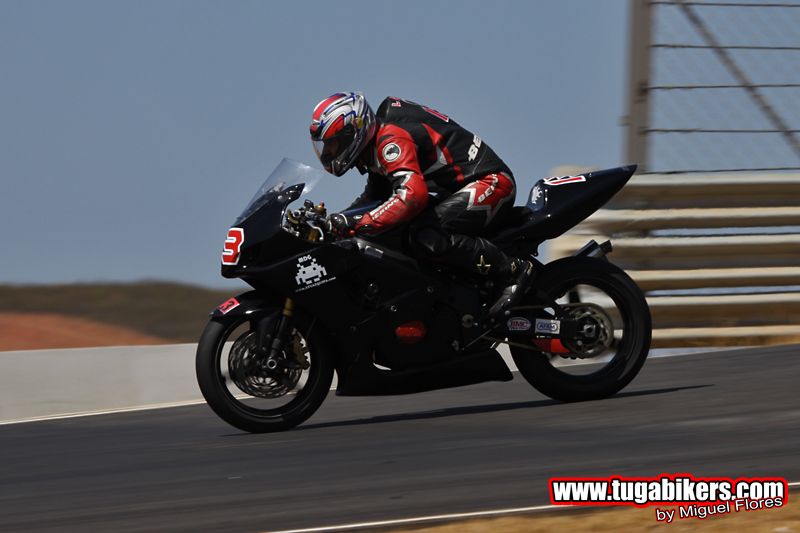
column 286, row 175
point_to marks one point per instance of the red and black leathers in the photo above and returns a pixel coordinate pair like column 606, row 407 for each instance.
column 417, row 151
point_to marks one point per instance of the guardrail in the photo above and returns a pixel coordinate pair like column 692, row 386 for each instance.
column 718, row 256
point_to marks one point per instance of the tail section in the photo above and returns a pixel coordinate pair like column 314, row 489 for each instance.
column 557, row 204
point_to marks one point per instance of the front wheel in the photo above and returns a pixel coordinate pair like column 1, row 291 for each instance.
column 243, row 390
column 600, row 294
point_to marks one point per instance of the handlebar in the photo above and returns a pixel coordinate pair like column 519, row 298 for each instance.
column 308, row 220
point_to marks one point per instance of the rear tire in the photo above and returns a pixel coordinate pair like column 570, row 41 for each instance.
column 556, row 279
column 212, row 382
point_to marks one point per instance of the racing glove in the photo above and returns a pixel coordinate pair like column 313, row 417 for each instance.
column 342, row 225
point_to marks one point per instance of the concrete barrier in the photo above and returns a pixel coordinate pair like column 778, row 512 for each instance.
column 38, row 383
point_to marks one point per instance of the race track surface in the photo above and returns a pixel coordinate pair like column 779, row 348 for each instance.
column 359, row 459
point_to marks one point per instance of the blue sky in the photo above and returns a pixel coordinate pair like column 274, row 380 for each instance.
column 133, row 133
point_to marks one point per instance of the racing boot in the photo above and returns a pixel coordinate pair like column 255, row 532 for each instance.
column 522, row 273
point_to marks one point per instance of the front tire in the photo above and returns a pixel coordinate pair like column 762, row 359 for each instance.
column 211, row 362
column 557, row 280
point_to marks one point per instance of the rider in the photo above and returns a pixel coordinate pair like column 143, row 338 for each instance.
column 408, row 151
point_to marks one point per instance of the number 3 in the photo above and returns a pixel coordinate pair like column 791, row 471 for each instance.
column 233, row 245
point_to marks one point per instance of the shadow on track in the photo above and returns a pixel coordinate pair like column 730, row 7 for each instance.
column 477, row 409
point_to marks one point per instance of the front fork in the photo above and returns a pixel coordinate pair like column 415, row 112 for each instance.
column 280, row 333
column 278, row 339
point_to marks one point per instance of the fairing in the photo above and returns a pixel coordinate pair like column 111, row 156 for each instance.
column 260, row 224
column 555, row 205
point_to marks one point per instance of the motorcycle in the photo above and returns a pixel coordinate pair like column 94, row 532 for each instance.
column 365, row 309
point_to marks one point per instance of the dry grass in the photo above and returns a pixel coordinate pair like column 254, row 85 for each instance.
column 782, row 520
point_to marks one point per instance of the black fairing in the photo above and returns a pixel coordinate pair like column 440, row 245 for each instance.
column 248, row 303
column 361, row 378
column 264, row 239
column 555, row 205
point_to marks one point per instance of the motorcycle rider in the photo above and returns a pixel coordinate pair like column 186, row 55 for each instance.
column 408, row 151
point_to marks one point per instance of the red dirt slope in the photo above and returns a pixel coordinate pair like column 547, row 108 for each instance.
column 33, row 331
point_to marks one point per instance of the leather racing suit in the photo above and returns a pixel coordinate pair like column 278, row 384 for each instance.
column 445, row 181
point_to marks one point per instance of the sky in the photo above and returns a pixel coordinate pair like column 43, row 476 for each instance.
column 132, row 133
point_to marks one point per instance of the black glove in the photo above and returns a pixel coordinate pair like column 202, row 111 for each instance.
column 342, row 225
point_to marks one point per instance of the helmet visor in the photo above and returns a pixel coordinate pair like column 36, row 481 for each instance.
column 335, row 149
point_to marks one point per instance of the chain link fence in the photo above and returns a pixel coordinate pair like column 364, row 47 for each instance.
column 721, row 85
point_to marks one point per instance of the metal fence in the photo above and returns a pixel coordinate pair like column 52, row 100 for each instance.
column 714, row 91
column 715, row 85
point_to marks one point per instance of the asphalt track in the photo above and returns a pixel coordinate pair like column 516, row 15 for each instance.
column 361, row 459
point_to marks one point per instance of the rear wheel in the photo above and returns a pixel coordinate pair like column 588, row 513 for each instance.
column 255, row 395
column 604, row 299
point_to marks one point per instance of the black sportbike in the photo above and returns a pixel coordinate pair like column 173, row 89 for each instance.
column 386, row 324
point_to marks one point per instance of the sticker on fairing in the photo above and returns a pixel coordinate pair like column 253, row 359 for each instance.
column 233, row 246
column 518, row 323
column 310, row 274
column 536, row 193
column 564, row 180
column 548, row 327
column 309, row 271
column 229, row 306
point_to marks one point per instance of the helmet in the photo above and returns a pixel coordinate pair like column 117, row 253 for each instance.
column 342, row 125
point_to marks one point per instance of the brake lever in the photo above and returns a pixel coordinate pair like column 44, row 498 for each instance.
column 318, row 229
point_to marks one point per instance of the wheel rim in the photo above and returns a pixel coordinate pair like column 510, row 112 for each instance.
column 254, row 389
column 603, row 305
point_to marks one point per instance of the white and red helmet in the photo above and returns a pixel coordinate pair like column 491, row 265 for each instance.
column 341, row 127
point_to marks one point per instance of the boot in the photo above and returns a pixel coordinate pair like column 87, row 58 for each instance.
column 522, row 274
column 479, row 255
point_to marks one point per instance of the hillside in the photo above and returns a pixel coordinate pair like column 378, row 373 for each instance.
column 43, row 331
column 173, row 312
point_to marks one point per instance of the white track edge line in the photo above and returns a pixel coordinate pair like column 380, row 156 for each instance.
column 431, row 518
column 442, row 517
column 110, row 411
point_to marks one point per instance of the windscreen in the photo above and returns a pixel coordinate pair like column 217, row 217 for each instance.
column 287, row 174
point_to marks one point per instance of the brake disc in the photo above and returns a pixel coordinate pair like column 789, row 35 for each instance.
column 596, row 334
column 248, row 369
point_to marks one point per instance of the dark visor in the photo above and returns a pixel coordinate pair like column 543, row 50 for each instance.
column 329, row 150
